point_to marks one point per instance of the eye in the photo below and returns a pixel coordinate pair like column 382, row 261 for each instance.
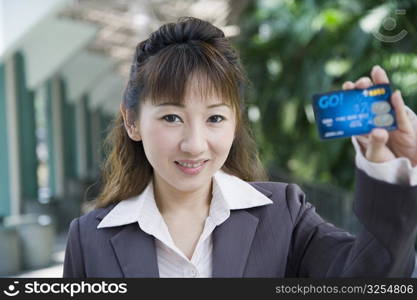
column 217, row 118
column 170, row 118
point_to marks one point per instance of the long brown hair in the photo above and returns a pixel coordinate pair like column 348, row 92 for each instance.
column 162, row 68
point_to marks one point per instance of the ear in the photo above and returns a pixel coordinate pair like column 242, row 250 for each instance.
column 130, row 123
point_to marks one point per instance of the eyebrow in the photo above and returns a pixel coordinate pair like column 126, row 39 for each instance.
column 183, row 106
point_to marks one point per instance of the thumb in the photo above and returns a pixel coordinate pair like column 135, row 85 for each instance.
column 377, row 151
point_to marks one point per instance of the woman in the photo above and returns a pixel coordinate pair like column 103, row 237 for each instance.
column 185, row 194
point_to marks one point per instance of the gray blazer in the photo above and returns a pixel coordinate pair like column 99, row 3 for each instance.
column 284, row 239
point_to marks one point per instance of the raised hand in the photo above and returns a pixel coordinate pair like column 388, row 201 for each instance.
column 381, row 145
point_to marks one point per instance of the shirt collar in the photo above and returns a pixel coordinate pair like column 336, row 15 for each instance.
column 229, row 192
column 237, row 193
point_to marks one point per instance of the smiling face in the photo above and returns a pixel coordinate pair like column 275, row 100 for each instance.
column 187, row 143
column 156, row 137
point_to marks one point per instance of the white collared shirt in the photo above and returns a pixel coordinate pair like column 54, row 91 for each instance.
column 229, row 192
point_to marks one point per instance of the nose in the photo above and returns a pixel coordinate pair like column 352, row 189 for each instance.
column 194, row 141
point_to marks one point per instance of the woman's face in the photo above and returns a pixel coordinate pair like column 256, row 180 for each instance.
column 187, row 144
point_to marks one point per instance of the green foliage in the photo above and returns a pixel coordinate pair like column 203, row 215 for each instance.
column 294, row 49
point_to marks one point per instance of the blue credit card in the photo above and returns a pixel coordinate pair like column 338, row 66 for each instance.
column 354, row 112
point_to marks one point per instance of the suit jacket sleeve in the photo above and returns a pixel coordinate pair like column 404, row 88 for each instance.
column 383, row 248
column 74, row 261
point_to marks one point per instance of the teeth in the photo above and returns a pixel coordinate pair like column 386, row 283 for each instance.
column 188, row 165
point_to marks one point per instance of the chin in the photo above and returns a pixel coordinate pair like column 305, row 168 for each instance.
column 190, row 185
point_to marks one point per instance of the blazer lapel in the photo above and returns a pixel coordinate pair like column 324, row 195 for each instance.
column 232, row 242
column 136, row 252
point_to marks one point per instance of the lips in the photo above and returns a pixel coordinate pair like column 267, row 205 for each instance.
column 191, row 168
column 191, row 163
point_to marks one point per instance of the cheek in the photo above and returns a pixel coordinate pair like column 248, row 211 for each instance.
column 222, row 140
column 158, row 143
column 160, row 134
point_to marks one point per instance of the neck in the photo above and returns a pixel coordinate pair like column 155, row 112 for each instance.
column 171, row 201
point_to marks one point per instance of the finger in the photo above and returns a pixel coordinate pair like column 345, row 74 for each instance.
column 364, row 139
column 403, row 121
column 377, row 150
column 363, row 83
column 348, row 85
column 363, row 143
column 379, row 75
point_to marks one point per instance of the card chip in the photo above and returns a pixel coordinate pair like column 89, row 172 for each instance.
column 384, row 120
column 381, row 107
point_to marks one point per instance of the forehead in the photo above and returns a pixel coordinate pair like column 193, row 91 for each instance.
column 198, row 89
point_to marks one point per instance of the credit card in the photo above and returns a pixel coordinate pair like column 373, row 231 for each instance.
column 345, row 113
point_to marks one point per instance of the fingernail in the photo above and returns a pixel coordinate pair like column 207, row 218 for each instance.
column 374, row 68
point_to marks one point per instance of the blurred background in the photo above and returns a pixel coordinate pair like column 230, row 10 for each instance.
column 64, row 64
